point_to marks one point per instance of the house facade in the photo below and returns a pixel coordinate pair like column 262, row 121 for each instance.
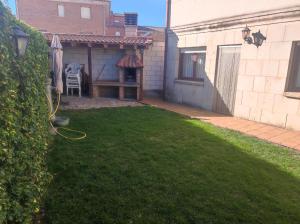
column 97, row 38
column 236, row 58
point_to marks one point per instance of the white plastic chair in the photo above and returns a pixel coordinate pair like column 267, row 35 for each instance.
column 73, row 78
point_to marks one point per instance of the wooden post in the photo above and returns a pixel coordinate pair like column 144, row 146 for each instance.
column 90, row 71
column 121, row 93
column 121, row 75
column 121, row 81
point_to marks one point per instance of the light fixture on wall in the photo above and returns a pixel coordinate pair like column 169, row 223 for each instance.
column 258, row 37
column 20, row 41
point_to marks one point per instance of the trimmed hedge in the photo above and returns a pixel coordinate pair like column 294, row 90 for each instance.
column 23, row 124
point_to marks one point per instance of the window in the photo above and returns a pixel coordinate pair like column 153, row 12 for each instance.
column 131, row 19
column 61, row 10
column 118, row 34
column 293, row 82
column 85, row 13
column 192, row 64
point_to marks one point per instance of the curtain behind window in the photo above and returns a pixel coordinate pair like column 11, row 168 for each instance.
column 200, row 68
column 298, row 76
column 192, row 63
column 187, row 66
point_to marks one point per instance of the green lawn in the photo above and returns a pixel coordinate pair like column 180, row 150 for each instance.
column 145, row 165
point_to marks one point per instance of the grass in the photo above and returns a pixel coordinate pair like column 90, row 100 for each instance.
column 145, row 165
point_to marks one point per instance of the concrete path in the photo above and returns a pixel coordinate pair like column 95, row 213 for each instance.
column 76, row 103
column 266, row 132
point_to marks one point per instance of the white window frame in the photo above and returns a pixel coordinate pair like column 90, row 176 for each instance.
column 86, row 12
column 61, row 10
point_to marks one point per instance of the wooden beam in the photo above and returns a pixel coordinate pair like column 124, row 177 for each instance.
column 73, row 44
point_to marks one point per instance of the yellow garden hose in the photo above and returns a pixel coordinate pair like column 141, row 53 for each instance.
column 56, row 129
column 83, row 134
column 56, row 109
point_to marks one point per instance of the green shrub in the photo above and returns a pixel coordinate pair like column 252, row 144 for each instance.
column 23, row 124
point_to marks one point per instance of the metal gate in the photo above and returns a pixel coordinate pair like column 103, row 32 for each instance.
column 226, row 78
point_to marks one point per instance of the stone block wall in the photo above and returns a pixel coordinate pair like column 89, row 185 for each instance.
column 190, row 92
column 263, row 76
column 260, row 94
column 154, row 68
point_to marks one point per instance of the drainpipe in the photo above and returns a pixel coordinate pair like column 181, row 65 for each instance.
column 168, row 24
column 142, row 76
column 17, row 9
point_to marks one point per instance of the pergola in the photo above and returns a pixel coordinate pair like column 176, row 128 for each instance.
column 136, row 44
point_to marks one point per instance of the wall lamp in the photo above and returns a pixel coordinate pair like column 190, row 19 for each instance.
column 258, row 37
column 20, row 41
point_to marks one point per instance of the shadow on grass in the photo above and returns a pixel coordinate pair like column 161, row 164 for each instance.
column 145, row 165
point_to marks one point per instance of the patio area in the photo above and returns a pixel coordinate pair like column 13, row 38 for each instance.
column 280, row 136
column 84, row 103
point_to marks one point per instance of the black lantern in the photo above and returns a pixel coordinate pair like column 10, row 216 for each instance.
column 246, row 35
column 258, row 39
column 20, row 40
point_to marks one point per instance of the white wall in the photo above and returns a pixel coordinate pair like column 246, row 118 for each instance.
column 100, row 57
column 76, row 55
column 262, row 74
column 262, row 78
column 193, row 11
column 108, row 58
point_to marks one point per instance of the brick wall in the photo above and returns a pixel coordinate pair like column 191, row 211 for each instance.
column 116, row 24
column 112, row 30
column 43, row 14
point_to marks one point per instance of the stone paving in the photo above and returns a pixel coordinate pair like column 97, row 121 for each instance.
column 83, row 103
column 280, row 136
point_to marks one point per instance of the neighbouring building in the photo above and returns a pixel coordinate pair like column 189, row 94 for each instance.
column 118, row 57
column 210, row 65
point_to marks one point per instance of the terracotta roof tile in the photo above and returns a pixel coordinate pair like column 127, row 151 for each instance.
column 130, row 61
column 97, row 39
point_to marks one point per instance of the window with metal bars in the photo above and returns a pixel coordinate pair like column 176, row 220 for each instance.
column 131, row 19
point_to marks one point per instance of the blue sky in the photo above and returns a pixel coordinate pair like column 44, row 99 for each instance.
column 151, row 12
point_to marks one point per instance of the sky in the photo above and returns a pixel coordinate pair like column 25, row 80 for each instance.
column 151, row 12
